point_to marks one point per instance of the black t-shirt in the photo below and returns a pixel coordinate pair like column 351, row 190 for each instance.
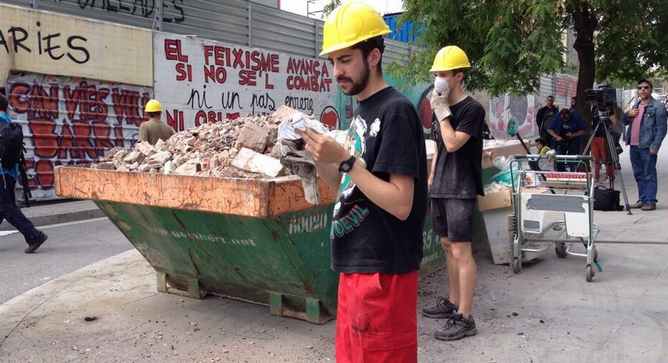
column 386, row 132
column 459, row 174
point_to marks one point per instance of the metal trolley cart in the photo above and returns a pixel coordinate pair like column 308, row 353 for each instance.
column 552, row 207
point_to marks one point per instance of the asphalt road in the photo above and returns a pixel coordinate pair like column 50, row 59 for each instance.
column 70, row 247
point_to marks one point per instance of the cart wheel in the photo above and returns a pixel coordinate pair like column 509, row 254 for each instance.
column 517, row 265
column 560, row 249
column 589, row 273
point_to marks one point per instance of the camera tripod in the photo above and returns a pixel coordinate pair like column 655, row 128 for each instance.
column 604, row 118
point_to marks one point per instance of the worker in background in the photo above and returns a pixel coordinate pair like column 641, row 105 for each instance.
column 455, row 182
column 154, row 129
column 567, row 130
column 544, row 117
column 379, row 218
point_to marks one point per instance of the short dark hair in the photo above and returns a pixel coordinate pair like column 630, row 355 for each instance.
column 3, row 103
column 564, row 111
column 463, row 71
column 644, row 80
column 369, row 45
column 550, row 96
column 541, row 141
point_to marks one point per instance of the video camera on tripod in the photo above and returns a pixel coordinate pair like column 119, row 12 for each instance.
column 604, row 98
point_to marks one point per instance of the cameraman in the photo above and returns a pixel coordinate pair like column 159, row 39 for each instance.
column 566, row 130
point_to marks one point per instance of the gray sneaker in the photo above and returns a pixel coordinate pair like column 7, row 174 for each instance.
column 443, row 309
column 457, row 328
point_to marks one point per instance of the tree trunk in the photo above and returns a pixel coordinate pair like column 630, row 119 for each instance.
column 585, row 23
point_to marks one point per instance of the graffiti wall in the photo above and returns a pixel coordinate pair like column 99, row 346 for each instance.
column 201, row 81
column 507, row 112
column 71, row 121
column 50, row 43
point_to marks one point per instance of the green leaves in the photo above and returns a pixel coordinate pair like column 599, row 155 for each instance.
column 511, row 43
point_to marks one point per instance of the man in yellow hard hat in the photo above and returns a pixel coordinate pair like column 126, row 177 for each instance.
column 378, row 220
column 154, row 129
column 455, row 182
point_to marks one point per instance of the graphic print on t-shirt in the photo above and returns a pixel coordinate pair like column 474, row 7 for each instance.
column 356, row 138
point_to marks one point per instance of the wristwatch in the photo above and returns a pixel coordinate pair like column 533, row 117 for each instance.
column 347, row 165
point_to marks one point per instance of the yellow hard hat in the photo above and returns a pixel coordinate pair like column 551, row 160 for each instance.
column 152, row 106
column 349, row 24
column 449, row 58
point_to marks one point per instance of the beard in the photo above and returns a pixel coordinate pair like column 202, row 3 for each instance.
column 357, row 86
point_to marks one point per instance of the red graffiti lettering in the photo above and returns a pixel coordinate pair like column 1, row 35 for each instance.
column 173, row 51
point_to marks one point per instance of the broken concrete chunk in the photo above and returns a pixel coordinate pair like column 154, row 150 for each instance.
column 160, row 158
column 253, row 137
column 255, row 162
column 145, row 148
column 190, row 168
column 133, row 157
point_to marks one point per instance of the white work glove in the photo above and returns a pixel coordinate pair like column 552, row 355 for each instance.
column 439, row 104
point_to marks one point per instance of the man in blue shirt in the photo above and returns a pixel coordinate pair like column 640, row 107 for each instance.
column 567, row 130
column 8, row 208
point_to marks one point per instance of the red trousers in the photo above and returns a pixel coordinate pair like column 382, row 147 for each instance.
column 599, row 153
column 376, row 318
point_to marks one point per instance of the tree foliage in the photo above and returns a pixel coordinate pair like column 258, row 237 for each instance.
column 512, row 42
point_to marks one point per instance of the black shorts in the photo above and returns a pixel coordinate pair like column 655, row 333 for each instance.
column 453, row 218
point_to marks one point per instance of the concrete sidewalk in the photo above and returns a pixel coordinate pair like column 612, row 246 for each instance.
column 42, row 214
column 548, row 313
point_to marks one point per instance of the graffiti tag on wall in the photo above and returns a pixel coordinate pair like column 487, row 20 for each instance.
column 71, row 121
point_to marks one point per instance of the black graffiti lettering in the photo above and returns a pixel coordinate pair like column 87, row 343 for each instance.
column 86, row 3
column 50, row 48
column 300, row 103
column 84, row 52
column 123, row 7
column 18, row 42
column 109, row 6
column 3, row 41
column 228, row 100
column 197, row 100
column 264, row 102
column 179, row 9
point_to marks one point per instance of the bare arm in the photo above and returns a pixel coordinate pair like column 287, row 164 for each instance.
column 394, row 196
column 143, row 134
column 433, row 168
column 329, row 172
column 554, row 134
column 454, row 140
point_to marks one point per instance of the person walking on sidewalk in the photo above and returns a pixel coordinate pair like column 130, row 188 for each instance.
column 646, row 131
column 8, row 175
column 544, row 117
column 455, row 182
column 154, row 129
column 378, row 219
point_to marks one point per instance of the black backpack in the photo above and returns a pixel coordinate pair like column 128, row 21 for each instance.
column 607, row 200
column 11, row 144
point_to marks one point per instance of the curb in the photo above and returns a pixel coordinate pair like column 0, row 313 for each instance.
column 79, row 215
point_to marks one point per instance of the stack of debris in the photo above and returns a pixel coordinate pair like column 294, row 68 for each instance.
column 245, row 147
